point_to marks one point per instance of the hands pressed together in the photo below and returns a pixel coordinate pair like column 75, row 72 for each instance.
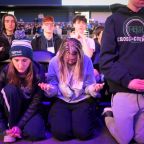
column 78, row 35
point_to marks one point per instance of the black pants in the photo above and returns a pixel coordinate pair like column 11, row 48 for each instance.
column 34, row 128
column 72, row 120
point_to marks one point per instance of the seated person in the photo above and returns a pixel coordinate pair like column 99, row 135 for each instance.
column 80, row 25
column 97, row 35
column 47, row 41
column 9, row 24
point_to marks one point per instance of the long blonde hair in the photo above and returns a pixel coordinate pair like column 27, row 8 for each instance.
column 71, row 45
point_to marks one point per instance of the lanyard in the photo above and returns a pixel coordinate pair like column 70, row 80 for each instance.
column 51, row 42
column 51, row 48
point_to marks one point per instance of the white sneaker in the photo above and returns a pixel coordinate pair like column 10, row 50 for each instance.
column 8, row 138
column 107, row 109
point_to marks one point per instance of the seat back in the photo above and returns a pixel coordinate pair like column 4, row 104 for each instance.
column 43, row 57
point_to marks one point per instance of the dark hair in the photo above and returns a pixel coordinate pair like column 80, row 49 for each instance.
column 3, row 20
column 97, row 30
column 79, row 18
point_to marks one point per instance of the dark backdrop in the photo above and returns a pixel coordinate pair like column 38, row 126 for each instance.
column 30, row 2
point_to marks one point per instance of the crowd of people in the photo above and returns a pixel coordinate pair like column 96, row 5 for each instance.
column 33, row 29
column 80, row 70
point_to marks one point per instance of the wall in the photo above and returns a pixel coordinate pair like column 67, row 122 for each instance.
column 28, row 15
column 100, row 16
column 30, row 2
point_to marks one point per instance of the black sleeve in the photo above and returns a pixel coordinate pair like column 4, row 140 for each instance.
column 37, row 96
column 32, row 109
column 57, row 42
column 34, row 44
column 3, row 79
column 4, row 48
column 2, row 115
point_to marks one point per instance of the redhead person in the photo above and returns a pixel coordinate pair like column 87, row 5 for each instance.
column 48, row 40
column 71, row 79
column 20, row 95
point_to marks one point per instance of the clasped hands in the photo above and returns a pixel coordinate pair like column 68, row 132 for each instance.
column 14, row 132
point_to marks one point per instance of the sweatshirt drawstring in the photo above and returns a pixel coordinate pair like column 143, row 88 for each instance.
column 138, row 102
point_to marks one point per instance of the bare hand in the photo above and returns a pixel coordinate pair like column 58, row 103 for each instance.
column 98, row 87
column 136, row 84
column 74, row 35
column 81, row 36
column 45, row 86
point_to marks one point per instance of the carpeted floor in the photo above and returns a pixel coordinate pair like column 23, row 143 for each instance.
column 102, row 136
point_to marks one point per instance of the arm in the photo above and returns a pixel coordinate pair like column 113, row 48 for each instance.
column 32, row 109
column 16, row 131
column 37, row 95
column 93, row 89
column 4, row 48
column 89, row 79
column 51, row 88
column 2, row 111
column 88, row 46
column 3, row 126
column 34, row 44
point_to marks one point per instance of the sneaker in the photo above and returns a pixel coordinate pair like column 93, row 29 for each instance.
column 9, row 139
column 107, row 112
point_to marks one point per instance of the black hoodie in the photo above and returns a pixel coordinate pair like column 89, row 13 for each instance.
column 40, row 42
column 122, row 54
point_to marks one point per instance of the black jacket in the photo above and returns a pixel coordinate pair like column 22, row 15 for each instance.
column 96, row 55
column 36, row 94
column 122, row 54
column 40, row 42
column 4, row 47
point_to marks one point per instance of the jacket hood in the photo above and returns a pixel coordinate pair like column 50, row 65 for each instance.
column 125, row 10
column 115, row 7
